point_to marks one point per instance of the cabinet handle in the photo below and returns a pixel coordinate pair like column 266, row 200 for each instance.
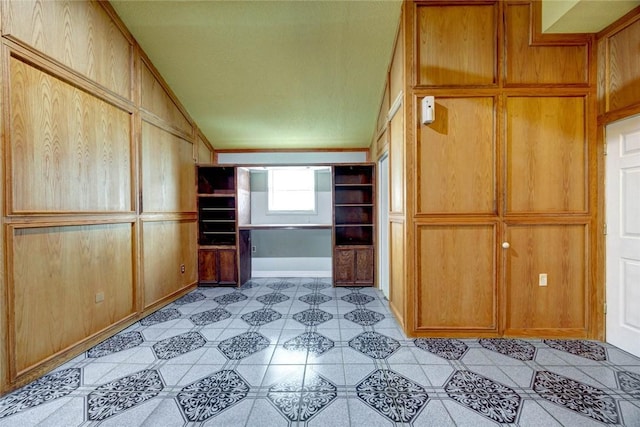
column 506, row 245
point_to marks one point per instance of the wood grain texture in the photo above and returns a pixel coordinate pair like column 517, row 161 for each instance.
column 546, row 155
column 527, row 64
column 457, row 46
column 155, row 99
column 166, row 246
column 205, row 154
column 396, row 71
column 558, row 251
column 383, row 113
column 79, row 34
column 623, row 65
column 457, row 158
column 456, row 277
column 397, row 285
column 168, row 172
column 397, row 163
column 69, row 150
column 57, row 272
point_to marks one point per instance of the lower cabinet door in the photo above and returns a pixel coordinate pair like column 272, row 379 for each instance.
column 227, row 267
column 364, row 265
column 207, row 266
column 343, row 266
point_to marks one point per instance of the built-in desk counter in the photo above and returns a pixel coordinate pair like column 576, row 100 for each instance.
column 284, row 226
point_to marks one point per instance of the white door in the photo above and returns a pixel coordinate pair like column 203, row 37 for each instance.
column 383, row 225
column 622, row 200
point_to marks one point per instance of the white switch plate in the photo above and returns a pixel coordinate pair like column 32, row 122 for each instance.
column 542, row 279
column 99, row 297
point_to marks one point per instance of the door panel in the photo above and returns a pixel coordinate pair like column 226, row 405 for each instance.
column 623, row 234
column 228, row 269
column 364, row 266
column 344, row 263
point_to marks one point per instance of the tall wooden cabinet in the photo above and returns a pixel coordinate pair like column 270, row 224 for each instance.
column 354, row 224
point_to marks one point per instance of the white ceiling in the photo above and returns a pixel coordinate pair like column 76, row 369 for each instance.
column 293, row 74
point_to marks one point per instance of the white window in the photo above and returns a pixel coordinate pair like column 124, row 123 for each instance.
column 292, row 190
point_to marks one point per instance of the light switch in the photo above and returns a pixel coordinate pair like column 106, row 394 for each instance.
column 542, row 279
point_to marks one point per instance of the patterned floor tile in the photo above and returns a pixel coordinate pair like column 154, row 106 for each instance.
column 315, row 299
column 356, row 298
column 301, row 403
column 485, row 396
column 124, row 393
column 161, row 316
column 576, row 396
column 311, row 341
column 312, row 317
column 364, row 317
column 178, row 345
column 629, row 382
column 243, row 345
column 279, row 286
column 230, row 298
column 374, row 345
column 517, row 349
column 392, row 395
column 209, row 396
column 190, row 298
column 450, row 349
column 261, row 317
column 317, row 286
column 50, row 387
column 582, row 348
column 116, row 343
column 273, row 298
column 209, row 316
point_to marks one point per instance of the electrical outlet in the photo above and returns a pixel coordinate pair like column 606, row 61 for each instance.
column 542, row 279
column 182, row 269
column 253, row 249
column 99, row 297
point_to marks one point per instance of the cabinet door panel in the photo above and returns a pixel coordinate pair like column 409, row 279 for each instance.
column 344, row 261
column 207, row 266
column 228, row 271
column 364, row 266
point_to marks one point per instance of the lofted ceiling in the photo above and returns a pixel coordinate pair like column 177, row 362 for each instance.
column 293, row 74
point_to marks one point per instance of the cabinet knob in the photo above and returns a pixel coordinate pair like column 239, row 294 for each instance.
column 506, row 245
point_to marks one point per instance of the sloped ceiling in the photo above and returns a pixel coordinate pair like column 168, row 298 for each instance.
column 293, row 74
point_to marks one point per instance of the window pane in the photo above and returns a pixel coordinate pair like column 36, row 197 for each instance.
column 292, row 189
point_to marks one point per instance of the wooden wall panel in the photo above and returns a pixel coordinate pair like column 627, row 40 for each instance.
column 457, row 158
column 457, row 46
column 57, row 273
column 397, row 162
column 560, row 252
column 397, row 287
column 69, row 150
column 396, row 72
column 546, row 154
column 622, row 67
column 539, row 64
column 168, row 172
column 162, row 261
column 456, row 274
column 79, row 34
column 205, row 155
column 384, row 110
column 156, row 100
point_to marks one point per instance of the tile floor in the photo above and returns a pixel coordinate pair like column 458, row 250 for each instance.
column 294, row 352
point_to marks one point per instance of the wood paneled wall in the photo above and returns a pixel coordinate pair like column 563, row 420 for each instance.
column 510, row 158
column 98, row 203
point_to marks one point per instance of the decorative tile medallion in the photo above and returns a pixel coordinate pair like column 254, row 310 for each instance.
column 316, row 286
column 576, row 396
column 116, row 343
column 278, row 286
column 161, row 316
column 50, row 387
column 298, row 403
column 261, row 317
column 230, row 298
column 392, row 395
column 485, row 396
column 314, row 299
column 272, row 298
column 516, row 349
column 312, row 317
column 124, row 393
column 210, row 316
column 450, row 349
column 189, row 298
column 178, row 345
column 374, row 345
column 311, row 341
column 209, row 396
column 243, row 345
column 356, row 298
column 630, row 383
column 247, row 285
column 582, row 348
column 364, row 316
